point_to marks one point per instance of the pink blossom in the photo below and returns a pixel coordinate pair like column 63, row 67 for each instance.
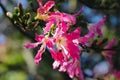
column 31, row 45
column 38, row 38
column 65, row 42
column 58, row 17
column 71, row 65
column 48, row 27
column 64, row 47
column 61, row 20
column 51, row 25
column 58, row 57
column 43, row 9
column 46, row 7
column 111, row 44
column 95, row 29
column 79, row 12
column 74, row 69
column 108, row 53
column 83, row 40
column 68, row 59
column 38, row 56
column 44, row 41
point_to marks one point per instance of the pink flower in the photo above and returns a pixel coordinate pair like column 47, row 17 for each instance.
column 83, row 40
column 38, row 38
column 108, row 53
column 59, row 17
column 79, row 12
column 61, row 20
column 65, row 42
column 31, row 45
column 66, row 56
column 48, row 27
column 70, row 65
column 51, row 26
column 74, row 69
column 111, row 44
column 95, row 29
column 58, row 57
column 43, row 9
column 64, row 47
column 44, row 41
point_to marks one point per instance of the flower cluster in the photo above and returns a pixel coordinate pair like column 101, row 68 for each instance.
column 63, row 46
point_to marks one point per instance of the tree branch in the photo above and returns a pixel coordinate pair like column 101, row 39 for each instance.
column 15, row 26
column 113, row 6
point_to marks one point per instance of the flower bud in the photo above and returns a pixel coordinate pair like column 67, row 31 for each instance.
column 9, row 14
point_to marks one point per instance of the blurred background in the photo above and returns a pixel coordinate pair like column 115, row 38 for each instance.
column 17, row 63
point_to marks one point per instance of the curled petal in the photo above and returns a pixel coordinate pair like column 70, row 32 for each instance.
column 62, row 17
column 48, row 26
column 99, row 24
column 78, row 13
column 38, row 56
column 39, row 37
column 55, row 64
column 111, row 44
column 64, row 26
column 73, row 50
column 108, row 53
column 96, row 29
column 31, row 45
column 63, row 67
column 56, row 55
column 68, row 18
column 40, row 2
column 50, row 44
column 40, row 12
column 70, row 70
column 83, row 40
column 49, row 5
column 74, row 35
column 78, row 72
column 74, row 69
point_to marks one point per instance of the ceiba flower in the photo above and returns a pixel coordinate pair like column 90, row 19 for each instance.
column 42, row 11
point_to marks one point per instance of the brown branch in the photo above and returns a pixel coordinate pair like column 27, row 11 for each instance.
column 15, row 26
column 115, row 7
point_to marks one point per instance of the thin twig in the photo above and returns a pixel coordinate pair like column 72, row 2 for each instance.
column 117, row 7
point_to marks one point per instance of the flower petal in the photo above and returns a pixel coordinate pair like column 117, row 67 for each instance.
column 48, row 26
column 39, row 37
column 56, row 64
column 40, row 12
column 31, row 45
column 73, row 50
column 83, row 40
column 63, row 67
column 111, row 44
column 39, row 55
column 40, row 2
column 73, row 35
column 68, row 18
column 49, row 5
column 64, row 27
